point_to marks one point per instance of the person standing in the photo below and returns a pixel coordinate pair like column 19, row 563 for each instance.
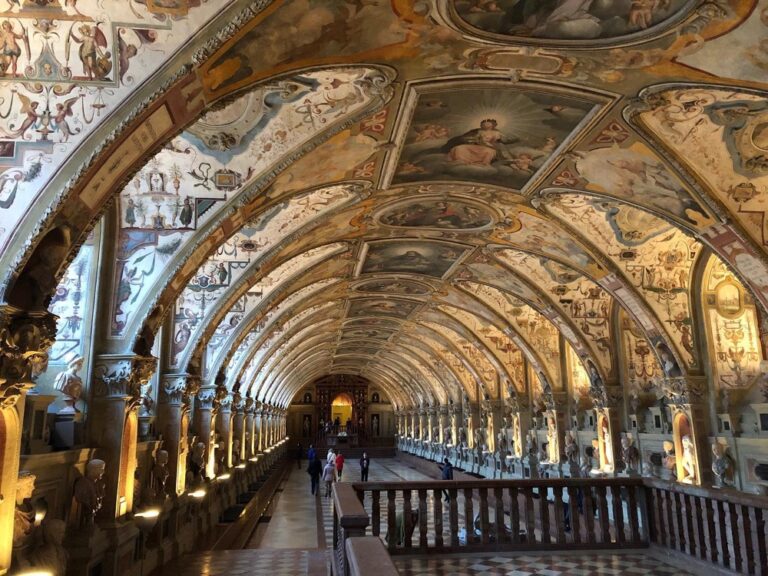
column 314, row 470
column 339, row 465
column 299, row 454
column 365, row 462
column 447, row 469
column 331, row 456
column 329, row 477
column 311, row 453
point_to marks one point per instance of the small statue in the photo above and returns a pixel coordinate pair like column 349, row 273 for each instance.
column 89, row 494
column 725, row 400
column 24, row 516
column 722, row 465
column 669, row 458
column 447, row 435
column 571, row 449
column 634, row 403
column 688, row 461
column 530, row 445
column 70, row 385
column 159, row 476
column 235, row 451
column 587, row 461
column 630, row 455
column 196, row 468
column 544, row 452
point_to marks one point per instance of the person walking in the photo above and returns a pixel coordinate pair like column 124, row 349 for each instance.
column 314, row 470
column 299, row 454
column 331, row 456
column 365, row 462
column 447, row 470
column 329, row 477
column 339, row 465
column 311, row 453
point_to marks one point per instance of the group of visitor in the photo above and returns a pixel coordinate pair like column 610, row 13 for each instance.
column 333, row 469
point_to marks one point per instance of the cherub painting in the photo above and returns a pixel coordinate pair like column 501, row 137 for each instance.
column 93, row 53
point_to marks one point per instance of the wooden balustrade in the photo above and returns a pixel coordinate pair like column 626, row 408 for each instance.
column 534, row 514
column 724, row 527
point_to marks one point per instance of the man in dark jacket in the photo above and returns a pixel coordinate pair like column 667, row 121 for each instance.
column 365, row 462
column 314, row 470
column 447, row 470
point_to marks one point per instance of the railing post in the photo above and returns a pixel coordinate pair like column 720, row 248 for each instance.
column 349, row 520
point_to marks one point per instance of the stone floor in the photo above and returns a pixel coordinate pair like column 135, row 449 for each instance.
column 296, row 540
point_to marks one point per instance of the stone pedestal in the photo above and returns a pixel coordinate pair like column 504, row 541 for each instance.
column 68, row 431
column 86, row 552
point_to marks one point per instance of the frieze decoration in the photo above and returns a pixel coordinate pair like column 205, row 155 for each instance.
column 123, row 376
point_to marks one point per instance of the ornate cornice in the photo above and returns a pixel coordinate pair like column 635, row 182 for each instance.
column 235, row 25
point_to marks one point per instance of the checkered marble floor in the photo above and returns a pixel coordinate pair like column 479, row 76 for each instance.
column 537, row 565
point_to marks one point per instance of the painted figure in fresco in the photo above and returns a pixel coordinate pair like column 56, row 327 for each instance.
column 59, row 121
column 95, row 59
column 130, row 213
column 185, row 216
column 668, row 362
column 481, row 146
column 9, row 47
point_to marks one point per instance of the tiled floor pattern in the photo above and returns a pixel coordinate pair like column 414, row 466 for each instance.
column 531, row 565
column 283, row 562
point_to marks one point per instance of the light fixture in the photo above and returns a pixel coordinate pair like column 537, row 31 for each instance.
column 36, row 573
column 240, row 466
column 199, row 493
column 151, row 513
column 225, row 476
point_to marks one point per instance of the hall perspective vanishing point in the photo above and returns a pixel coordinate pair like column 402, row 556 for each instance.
column 536, row 231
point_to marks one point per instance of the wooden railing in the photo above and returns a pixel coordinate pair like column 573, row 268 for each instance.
column 723, row 527
column 480, row 515
column 349, row 520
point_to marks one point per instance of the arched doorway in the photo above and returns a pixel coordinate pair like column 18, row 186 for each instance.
column 341, row 411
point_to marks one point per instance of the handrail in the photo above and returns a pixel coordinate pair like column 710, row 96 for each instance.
column 729, row 495
column 367, row 555
column 349, row 519
column 521, row 483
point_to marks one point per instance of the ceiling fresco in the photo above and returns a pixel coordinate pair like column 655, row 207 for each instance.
column 493, row 135
column 66, row 67
column 563, row 21
column 444, row 196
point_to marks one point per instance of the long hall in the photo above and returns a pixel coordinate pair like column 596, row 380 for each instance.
column 524, row 240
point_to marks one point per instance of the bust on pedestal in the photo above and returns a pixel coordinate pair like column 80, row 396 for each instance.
column 68, row 427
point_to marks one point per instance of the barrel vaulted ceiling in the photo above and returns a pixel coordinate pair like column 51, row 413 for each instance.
column 448, row 197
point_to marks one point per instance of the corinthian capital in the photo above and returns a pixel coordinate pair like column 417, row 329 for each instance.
column 25, row 338
column 179, row 389
column 122, row 376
